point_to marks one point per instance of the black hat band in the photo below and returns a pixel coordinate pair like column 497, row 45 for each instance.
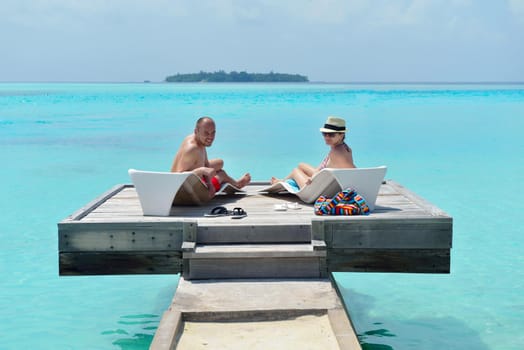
column 334, row 127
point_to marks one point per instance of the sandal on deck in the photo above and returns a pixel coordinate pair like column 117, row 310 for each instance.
column 238, row 213
column 293, row 206
column 280, row 207
column 218, row 211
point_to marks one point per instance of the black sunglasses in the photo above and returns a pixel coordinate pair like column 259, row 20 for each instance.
column 329, row 134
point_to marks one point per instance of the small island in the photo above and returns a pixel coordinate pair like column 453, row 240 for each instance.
column 236, row 77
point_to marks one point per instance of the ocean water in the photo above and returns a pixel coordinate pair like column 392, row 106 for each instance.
column 459, row 146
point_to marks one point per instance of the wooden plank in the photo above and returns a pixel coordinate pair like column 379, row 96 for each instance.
column 169, row 330
column 255, row 294
column 190, row 231
column 120, row 237
column 261, row 233
column 425, row 233
column 389, row 260
column 255, row 268
column 429, row 207
column 343, row 329
column 119, row 240
column 318, row 244
column 188, row 246
column 144, row 226
column 85, row 210
column 103, row 263
column 129, row 218
column 247, row 251
column 317, row 229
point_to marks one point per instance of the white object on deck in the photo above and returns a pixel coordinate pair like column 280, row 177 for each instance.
column 327, row 182
column 157, row 190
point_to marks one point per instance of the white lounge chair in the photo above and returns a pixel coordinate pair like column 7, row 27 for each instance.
column 329, row 181
column 158, row 191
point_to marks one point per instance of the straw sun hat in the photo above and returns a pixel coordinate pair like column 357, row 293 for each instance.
column 334, row 124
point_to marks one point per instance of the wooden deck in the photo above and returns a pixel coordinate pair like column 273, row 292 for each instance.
column 257, row 267
column 110, row 235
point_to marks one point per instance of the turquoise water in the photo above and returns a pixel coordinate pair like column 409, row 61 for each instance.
column 459, row 146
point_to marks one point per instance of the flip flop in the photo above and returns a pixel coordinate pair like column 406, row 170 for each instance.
column 238, row 213
column 217, row 211
column 280, row 207
column 293, row 206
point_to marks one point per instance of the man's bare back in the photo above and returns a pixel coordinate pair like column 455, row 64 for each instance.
column 192, row 156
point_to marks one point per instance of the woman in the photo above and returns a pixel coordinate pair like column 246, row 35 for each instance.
column 340, row 155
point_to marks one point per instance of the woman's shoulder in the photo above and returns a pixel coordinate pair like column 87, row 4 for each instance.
column 343, row 147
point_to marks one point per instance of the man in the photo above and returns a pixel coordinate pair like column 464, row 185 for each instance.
column 192, row 156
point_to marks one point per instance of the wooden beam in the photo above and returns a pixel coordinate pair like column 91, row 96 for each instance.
column 114, row 237
column 389, row 260
column 103, row 263
column 421, row 233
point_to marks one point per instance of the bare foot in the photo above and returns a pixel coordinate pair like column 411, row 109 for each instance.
column 244, row 180
column 274, row 180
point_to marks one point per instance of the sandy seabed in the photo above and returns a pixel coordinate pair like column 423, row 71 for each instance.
column 305, row 332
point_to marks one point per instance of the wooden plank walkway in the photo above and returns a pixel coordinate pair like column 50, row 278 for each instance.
column 238, row 309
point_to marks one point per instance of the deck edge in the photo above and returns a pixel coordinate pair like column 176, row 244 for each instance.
column 431, row 208
column 95, row 203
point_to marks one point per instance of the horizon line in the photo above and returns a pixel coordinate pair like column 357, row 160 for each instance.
column 290, row 82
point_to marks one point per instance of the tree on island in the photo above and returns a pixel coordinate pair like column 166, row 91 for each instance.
column 235, row 77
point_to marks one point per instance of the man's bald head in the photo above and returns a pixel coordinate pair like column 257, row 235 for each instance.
column 204, row 120
column 205, row 131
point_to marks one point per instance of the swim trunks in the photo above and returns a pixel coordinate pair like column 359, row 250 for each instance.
column 216, row 183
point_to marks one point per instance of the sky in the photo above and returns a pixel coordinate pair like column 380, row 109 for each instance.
column 328, row 41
